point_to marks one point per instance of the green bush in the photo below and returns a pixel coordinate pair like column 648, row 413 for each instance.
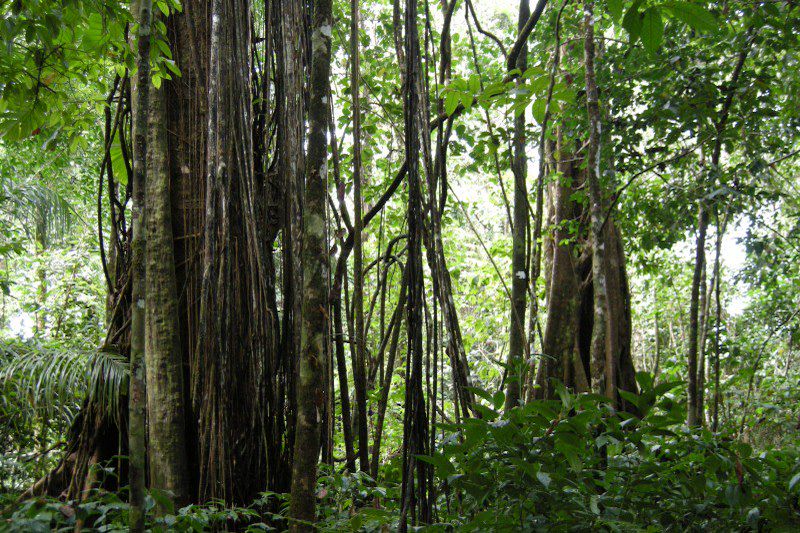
column 577, row 464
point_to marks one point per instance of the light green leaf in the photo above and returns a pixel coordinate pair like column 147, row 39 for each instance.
column 451, row 101
column 538, row 110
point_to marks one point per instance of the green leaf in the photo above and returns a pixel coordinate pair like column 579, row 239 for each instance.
column 615, row 9
column 593, row 504
column 652, row 30
column 697, row 17
column 645, row 380
column 498, row 399
column 662, row 388
column 629, row 396
column 477, row 391
column 538, row 110
column 443, row 467
column 451, row 101
column 466, row 101
column 163, row 47
column 164, row 500
column 632, row 21
column 753, row 518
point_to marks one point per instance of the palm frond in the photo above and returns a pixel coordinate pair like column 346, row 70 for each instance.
column 53, row 381
column 108, row 378
column 41, row 211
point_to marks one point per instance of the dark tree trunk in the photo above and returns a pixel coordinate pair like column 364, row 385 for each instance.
column 358, row 339
column 519, row 270
column 416, row 474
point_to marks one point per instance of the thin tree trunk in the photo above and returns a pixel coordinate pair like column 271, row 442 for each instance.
column 657, row 362
column 717, row 320
column 519, row 271
column 310, row 398
column 694, row 304
column 702, row 224
column 137, row 392
column 599, row 356
column 359, row 362
column 702, row 324
column 397, row 320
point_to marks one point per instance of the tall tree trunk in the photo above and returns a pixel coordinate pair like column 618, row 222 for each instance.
column 359, row 362
column 231, row 368
column 567, row 338
column 563, row 290
column 163, row 353
column 137, row 392
column 291, row 51
column 310, row 394
column 694, row 308
column 463, row 398
column 717, row 322
column 706, row 292
column 602, row 377
column 692, row 418
column 416, row 474
column 519, row 271
column 657, row 357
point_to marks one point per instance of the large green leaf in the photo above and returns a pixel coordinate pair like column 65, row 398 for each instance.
column 615, row 8
column 697, row 17
column 652, row 29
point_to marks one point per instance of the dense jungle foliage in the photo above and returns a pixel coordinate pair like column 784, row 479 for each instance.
column 378, row 265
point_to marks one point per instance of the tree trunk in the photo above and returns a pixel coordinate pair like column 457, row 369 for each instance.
column 138, row 399
column 519, row 271
column 416, row 474
column 163, row 353
column 717, row 321
column 694, row 308
column 310, row 393
column 570, row 300
column 602, row 362
column 359, row 362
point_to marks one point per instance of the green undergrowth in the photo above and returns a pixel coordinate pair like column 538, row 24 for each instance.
column 573, row 464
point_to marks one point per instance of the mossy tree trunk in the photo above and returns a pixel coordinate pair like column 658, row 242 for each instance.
column 168, row 469
column 313, row 353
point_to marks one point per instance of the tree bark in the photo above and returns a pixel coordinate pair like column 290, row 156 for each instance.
column 519, row 271
column 163, row 354
column 416, row 474
column 137, row 397
column 359, row 362
column 602, row 377
column 310, row 396
column 694, row 305
column 717, row 323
